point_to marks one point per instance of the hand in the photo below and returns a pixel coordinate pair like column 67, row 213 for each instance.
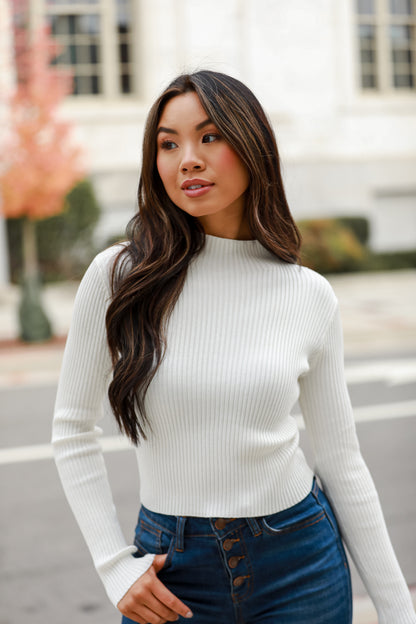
column 149, row 601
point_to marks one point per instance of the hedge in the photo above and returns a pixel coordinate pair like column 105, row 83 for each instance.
column 65, row 241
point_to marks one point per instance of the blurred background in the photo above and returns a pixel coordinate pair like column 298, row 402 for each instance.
column 338, row 80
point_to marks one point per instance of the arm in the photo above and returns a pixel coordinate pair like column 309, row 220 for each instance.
column 328, row 416
column 82, row 387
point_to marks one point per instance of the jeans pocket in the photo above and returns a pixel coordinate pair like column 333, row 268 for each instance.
column 152, row 539
column 274, row 526
column 170, row 552
column 148, row 539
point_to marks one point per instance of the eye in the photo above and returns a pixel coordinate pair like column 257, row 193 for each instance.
column 210, row 137
column 168, row 145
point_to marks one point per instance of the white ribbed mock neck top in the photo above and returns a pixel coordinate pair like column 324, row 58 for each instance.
column 249, row 336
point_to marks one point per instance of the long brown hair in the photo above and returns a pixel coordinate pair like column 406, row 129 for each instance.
column 149, row 272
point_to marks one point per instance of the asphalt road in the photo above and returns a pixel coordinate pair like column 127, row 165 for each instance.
column 46, row 574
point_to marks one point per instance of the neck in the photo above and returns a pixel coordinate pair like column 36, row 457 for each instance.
column 229, row 229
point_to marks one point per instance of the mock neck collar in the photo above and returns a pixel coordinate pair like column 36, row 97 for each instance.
column 234, row 247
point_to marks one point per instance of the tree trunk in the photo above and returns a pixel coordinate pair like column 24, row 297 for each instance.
column 34, row 324
column 29, row 248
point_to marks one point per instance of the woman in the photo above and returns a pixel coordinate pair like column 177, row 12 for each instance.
column 205, row 331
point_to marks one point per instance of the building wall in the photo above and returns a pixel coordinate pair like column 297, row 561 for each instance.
column 343, row 151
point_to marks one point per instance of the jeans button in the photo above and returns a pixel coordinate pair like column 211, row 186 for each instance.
column 228, row 544
column 220, row 523
column 233, row 561
column 238, row 581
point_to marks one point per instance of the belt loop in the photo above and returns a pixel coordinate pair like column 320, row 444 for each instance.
column 180, row 529
column 315, row 489
column 254, row 526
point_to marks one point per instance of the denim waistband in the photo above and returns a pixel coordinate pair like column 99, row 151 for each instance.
column 195, row 526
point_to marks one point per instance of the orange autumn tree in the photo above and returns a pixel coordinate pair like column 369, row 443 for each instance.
column 38, row 164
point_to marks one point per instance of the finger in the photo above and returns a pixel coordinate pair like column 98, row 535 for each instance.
column 165, row 596
column 160, row 609
column 159, row 562
column 144, row 615
column 133, row 613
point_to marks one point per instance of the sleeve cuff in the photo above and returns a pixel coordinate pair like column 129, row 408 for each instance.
column 119, row 576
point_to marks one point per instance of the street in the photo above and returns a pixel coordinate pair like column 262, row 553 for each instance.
column 46, row 572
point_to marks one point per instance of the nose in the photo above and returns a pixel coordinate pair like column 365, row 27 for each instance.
column 191, row 160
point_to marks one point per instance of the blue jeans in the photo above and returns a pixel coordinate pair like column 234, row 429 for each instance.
column 286, row 568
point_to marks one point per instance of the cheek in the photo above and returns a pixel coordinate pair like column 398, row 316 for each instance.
column 165, row 171
column 231, row 163
column 228, row 158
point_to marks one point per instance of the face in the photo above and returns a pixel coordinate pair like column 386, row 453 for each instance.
column 200, row 171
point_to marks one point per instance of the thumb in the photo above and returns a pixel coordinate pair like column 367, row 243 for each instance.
column 159, row 562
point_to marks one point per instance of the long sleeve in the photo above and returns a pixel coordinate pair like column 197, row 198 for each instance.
column 346, row 479
column 83, row 383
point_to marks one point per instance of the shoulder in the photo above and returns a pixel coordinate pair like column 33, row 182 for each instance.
column 311, row 286
column 314, row 302
column 105, row 259
column 99, row 273
column 104, row 262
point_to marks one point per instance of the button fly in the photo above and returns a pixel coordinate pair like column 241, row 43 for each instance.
column 238, row 581
column 233, row 561
column 228, row 544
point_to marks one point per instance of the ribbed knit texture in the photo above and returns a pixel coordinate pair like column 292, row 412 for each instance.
column 249, row 335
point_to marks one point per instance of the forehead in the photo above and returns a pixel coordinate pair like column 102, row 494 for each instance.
column 183, row 110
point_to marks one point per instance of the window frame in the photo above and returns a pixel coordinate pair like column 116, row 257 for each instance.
column 110, row 64
column 382, row 20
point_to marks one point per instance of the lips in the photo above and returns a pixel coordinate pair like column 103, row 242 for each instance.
column 194, row 184
column 196, row 187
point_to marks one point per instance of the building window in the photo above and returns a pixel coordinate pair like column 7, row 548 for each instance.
column 80, row 37
column 387, row 44
column 96, row 38
column 125, row 45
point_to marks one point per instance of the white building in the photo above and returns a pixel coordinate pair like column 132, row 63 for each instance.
column 337, row 77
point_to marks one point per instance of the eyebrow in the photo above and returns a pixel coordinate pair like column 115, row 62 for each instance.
column 198, row 127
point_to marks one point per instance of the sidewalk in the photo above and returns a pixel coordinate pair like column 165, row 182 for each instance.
column 58, row 301
column 378, row 311
column 32, row 364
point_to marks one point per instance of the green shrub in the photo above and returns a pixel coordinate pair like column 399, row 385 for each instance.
column 391, row 261
column 330, row 247
column 359, row 225
column 65, row 243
